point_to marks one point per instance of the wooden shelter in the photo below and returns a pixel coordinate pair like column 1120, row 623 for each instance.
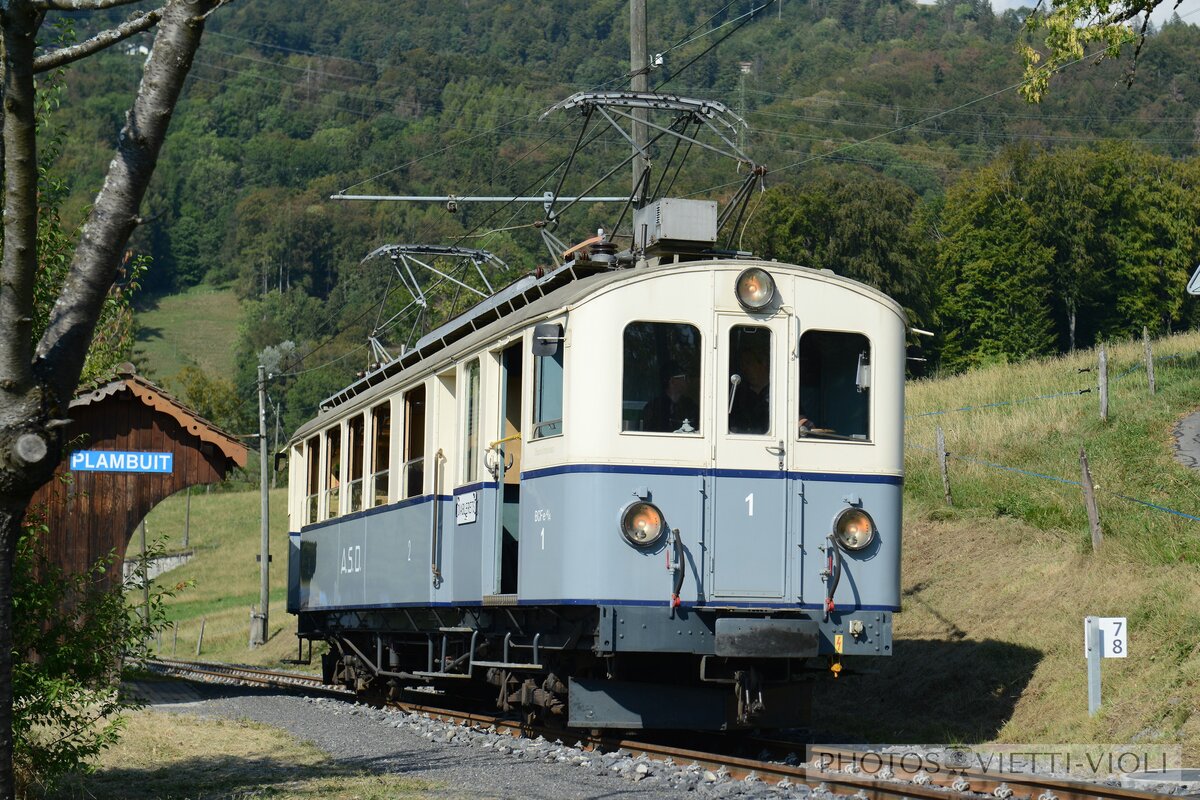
column 129, row 445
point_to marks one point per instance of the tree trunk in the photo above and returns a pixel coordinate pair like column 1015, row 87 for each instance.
column 10, row 527
column 36, row 385
column 21, row 400
column 1071, row 326
column 115, row 213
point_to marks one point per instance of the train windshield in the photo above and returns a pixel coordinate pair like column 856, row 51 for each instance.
column 835, row 385
column 661, row 378
column 750, row 379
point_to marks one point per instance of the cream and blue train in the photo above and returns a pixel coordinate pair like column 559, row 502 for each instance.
column 652, row 494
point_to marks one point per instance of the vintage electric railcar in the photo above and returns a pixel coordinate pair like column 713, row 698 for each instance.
column 665, row 495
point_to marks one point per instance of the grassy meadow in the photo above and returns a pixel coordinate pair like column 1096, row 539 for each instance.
column 221, row 582
column 196, row 328
column 989, row 645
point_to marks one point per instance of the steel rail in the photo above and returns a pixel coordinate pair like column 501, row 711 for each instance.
column 213, row 670
column 965, row 779
column 938, row 785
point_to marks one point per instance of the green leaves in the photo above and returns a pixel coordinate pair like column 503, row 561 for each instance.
column 71, row 633
column 1073, row 29
column 1043, row 252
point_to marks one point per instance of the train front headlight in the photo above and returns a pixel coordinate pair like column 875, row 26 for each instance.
column 755, row 289
column 642, row 524
column 854, row 529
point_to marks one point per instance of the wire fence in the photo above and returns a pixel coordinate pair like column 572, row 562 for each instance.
column 1136, row 367
column 1089, row 489
column 1054, row 478
column 998, row 404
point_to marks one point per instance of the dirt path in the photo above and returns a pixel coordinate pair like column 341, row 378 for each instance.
column 1187, row 441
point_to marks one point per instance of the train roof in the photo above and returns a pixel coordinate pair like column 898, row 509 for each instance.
column 527, row 298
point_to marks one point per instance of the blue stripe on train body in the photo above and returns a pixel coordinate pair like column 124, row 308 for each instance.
column 751, row 539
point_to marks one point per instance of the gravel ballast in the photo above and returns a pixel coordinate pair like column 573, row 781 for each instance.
column 463, row 762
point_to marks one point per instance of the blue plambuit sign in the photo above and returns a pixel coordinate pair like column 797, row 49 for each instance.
column 118, row 461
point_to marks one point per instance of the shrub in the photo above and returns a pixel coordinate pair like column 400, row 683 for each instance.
column 71, row 635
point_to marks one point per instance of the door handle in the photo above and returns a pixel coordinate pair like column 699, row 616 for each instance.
column 776, row 450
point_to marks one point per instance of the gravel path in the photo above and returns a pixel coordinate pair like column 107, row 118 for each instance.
column 466, row 764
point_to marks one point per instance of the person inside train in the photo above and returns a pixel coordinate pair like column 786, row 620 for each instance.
column 750, row 410
column 673, row 410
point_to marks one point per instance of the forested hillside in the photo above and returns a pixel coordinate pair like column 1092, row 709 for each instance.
column 899, row 154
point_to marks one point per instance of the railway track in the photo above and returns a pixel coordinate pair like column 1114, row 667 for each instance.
column 863, row 783
column 212, row 672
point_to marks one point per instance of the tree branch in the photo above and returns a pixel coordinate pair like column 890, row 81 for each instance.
column 80, row 5
column 100, row 41
column 61, row 352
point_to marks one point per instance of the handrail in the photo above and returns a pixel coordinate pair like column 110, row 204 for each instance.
column 435, row 561
column 511, row 438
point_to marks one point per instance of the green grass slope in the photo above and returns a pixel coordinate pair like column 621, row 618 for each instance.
column 197, row 327
column 989, row 645
column 221, row 582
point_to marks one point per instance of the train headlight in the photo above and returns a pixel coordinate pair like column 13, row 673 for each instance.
column 755, row 289
column 642, row 524
column 854, row 529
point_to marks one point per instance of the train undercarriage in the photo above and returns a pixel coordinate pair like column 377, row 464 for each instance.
column 590, row 667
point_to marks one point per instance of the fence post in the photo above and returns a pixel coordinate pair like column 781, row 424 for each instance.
column 1089, row 500
column 1149, row 358
column 941, row 449
column 174, row 638
column 1103, row 384
column 200, row 638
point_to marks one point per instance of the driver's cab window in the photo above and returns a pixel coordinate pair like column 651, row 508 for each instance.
column 749, row 379
column 835, row 386
column 661, row 378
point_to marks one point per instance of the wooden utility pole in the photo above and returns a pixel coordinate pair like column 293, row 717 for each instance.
column 639, row 81
column 258, row 633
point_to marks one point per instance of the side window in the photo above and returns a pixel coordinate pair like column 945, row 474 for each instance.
column 471, row 424
column 355, row 429
column 414, row 442
column 661, row 378
column 333, row 471
column 548, row 395
column 381, row 439
column 749, row 379
column 835, row 385
column 313, row 491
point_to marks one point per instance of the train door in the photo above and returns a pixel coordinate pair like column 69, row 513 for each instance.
column 749, row 457
column 507, row 455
